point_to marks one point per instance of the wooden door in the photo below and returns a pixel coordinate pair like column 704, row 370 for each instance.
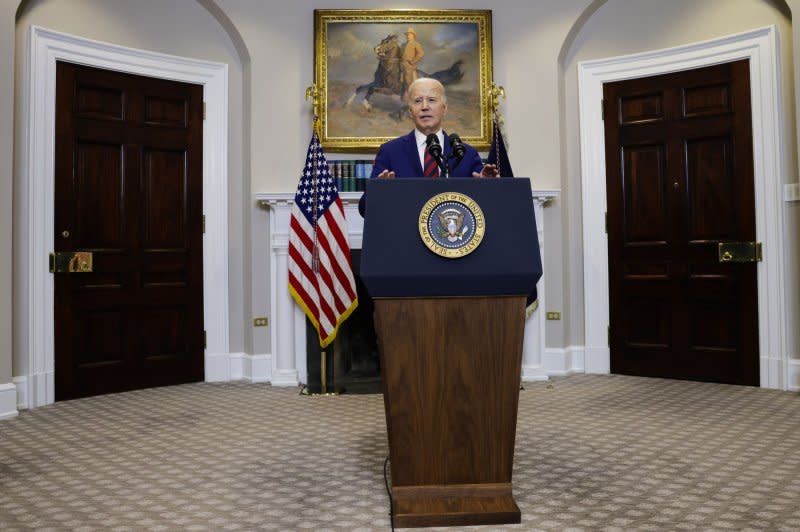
column 679, row 161
column 128, row 188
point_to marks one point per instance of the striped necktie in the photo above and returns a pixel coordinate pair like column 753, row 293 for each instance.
column 431, row 168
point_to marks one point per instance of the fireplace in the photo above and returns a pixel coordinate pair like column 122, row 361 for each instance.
column 351, row 364
column 289, row 330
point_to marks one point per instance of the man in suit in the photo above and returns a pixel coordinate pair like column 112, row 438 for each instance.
column 412, row 54
column 406, row 156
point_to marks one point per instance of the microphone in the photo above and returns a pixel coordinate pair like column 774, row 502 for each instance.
column 457, row 147
column 434, row 148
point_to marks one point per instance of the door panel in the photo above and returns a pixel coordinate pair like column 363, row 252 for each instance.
column 98, row 191
column 128, row 189
column 679, row 181
column 711, row 194
column 646, row 219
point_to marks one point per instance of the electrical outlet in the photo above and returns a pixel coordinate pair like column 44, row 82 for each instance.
column 553, row 315
column 260, row 322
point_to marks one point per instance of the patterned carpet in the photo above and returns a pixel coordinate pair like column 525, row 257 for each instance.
column 593, row 452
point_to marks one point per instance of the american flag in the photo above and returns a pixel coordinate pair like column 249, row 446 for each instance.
column 497, row 153
column 320, row 273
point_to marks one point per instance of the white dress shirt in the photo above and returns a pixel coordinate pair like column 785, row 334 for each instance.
column 422, row 146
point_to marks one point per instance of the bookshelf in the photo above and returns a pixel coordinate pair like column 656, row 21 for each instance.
column 351, row 174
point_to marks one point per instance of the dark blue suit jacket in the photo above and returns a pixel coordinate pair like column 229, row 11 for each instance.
column 402, row 157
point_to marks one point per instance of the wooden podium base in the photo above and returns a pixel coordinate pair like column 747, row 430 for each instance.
column 451, row 374
column 454, row 505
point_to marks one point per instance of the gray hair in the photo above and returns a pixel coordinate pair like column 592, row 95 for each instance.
column 435, row 82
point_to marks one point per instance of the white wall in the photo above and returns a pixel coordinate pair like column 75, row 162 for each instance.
column 7, row 8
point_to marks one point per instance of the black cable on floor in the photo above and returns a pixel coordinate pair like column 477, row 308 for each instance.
column 388, row 491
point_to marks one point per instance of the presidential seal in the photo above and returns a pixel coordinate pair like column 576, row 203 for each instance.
column 451, row 225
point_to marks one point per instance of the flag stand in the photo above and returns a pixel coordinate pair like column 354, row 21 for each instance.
column 323, row 378
column 323, row 372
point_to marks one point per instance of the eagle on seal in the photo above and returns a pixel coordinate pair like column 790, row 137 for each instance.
column 452, row 221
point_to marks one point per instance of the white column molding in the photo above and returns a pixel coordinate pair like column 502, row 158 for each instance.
column 249, row 368
column 281, row 306
column 36, row 169
column 760, row 47
column 533, row 350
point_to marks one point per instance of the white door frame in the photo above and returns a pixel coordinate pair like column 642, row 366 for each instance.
column 761, row 47
column 36, row 343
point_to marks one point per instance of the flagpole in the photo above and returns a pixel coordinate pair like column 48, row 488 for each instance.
column 323, row 372
column 494, row 103
column 495, row 93
column 314, row 92
column 321, row 279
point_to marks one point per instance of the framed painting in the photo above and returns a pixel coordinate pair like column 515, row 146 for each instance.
column 362, row 67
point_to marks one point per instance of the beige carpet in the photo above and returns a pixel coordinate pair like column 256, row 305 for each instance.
column 592, row 453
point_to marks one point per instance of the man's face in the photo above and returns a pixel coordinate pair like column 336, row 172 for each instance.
column 410, row 36
column 427, row 106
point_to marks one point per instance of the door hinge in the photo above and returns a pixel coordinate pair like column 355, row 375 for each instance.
column 204, row 110
column 602, row 109
column 606, row 215
column 205, row 340
column 204, row 224
column 609, row 335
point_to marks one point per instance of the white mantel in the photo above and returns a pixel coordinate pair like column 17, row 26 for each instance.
column 288, row 338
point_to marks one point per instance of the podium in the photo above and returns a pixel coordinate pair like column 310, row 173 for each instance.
column 450, row 335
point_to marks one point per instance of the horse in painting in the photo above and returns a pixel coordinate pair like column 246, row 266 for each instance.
column 388, row 78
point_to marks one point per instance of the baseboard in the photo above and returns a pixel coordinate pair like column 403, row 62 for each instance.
column 236, row 366
column 771, row 373
column 285, row 377
column 597, row 359
column 224, row 367
column 218, row 367
column 36, row 390
column 259, row 368
column 251, row 368
column 8, row 400
column 22, row 392
column 793, row 378
column 561, row 361
column 533, row 373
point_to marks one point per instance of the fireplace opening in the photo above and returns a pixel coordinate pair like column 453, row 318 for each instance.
column 351, row 363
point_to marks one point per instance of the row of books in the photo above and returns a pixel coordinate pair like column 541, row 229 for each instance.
column 351, row 175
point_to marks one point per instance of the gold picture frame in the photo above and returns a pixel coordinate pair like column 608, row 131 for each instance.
column 356, row 49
